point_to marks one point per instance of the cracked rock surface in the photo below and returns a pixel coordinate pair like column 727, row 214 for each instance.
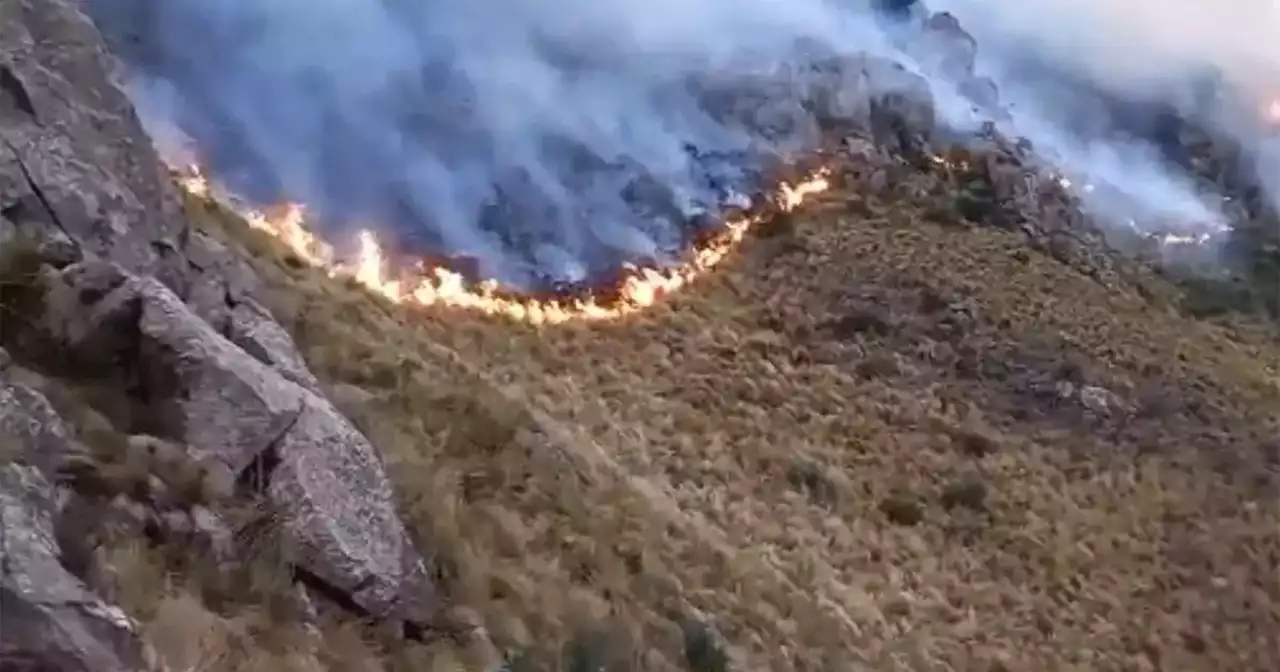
column 127, row 294
column 48, row 618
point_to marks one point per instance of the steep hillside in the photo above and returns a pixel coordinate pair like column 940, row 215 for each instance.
column 929, row 420
column 880, row 438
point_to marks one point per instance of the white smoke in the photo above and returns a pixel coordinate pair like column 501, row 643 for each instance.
column 410, row 112
column 1143, row 50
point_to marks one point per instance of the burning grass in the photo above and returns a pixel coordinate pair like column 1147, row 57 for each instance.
column 869, row 440
column 432, row 283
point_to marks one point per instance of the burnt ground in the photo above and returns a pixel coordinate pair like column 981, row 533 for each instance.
column 881, row 436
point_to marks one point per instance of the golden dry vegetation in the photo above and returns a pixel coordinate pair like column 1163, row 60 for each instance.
column 869, row 442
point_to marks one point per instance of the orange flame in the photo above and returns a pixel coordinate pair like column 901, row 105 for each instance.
column 436, row 285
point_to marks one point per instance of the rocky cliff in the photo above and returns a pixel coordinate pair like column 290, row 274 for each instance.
column 104, row 285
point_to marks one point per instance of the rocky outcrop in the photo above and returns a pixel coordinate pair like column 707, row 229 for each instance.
column 74, row 159
column 118, row 289
column 49, row 620
column 868, row 93
column 282, row 438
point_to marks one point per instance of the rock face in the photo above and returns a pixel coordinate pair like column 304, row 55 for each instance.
column 48, row 618
column 74, row 158
column 320, row 472
column 125, row 293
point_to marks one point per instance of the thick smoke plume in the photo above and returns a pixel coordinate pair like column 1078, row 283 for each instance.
column 514, row 132
column 1112, row 89
column 554, row 138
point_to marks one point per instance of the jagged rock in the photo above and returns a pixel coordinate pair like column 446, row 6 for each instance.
column 77, row 168
column 225, row 404
column 222, row 294
column 216, row 398
column 130, row 296
column 222, row 281
column 338, row 504
column 48, row 618
column 28, row 418
column 320, row 472
column 74, row 157
column 258, row 334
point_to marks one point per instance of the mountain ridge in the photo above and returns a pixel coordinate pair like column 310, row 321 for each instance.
column 930, row 420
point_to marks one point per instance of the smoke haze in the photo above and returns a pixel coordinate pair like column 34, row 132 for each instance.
column 1138, row 43
column 519, row 133
column 1057, row 60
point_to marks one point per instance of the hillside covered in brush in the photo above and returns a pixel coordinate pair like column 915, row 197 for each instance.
column 937, row 417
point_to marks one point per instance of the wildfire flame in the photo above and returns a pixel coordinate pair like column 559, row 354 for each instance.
column 1272, row 111
column 436, row 285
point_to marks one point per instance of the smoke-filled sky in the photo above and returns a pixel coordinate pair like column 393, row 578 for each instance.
column 1135, row 42
column 418, row 114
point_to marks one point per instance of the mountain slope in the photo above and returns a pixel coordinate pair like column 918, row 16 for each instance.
column 929, row 421
column 878, row 436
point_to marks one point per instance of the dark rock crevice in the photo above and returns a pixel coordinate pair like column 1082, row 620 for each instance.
column 255, row 479
column 45, row 204
column 15, row 92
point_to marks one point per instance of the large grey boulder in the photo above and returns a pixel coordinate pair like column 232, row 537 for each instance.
column 283, row 438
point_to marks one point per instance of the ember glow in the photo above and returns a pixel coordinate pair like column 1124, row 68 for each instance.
column 428, row 285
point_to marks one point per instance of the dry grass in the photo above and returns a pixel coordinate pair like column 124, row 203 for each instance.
column 858, row 447
column 849, row 449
